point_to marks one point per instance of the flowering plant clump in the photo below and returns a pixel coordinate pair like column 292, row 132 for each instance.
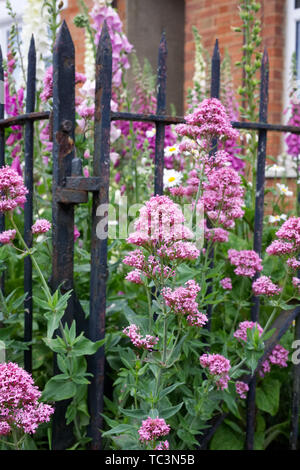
column 19, row 406
column 13, row 191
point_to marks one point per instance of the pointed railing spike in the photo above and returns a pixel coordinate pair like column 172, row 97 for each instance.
column 160, row 110
column 28, row 208
column 215, row 72
column 99, row 270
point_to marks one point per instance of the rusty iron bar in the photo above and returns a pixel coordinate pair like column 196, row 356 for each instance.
column 22, row 118
column 2, row 154
column 99, row 271
column 160, row 110
column 28, row 208
column 214, row 93
column 256, row 126
column 63, row 214
column 258, row 230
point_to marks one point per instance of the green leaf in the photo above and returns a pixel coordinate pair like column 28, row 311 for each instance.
column 267, row 396
column 227, row 439
column 57, row 389
column 169, row 389
column 84, row 346
column 118, row 430
column 168, row 412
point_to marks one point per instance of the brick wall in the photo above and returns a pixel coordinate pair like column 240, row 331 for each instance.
column 78, row 35
column 215, row 20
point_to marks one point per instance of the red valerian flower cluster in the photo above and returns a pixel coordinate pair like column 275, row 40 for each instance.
column 19, row 406
column 12, row 190
column 217, row 366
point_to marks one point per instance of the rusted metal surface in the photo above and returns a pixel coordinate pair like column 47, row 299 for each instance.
column 22, row 118
column 101, row 168
column 92, row 183
column 28, row 208
column 160, row 110
column 63, row 214
column 70, row 196
column 258, row 229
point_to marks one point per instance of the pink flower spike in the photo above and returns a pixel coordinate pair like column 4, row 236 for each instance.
column 241, row 389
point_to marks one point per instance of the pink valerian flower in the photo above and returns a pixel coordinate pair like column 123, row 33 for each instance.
column 279, row 247
column 161, row 221
column 241, row 389
column 198, row 319
column 216, row 234
column 278, row 356
column 247, row 262
column 226, row 283
column 222, row 197
column 293, row 263
column 289, row 238
column 296, row 283
column 135, row 259
column 241, row 332
column 217, row 366
column 133, row 333
column 152, row 429
column 208, row 121
column 179, row 251
column 264, row 286
column 7, row 237
column 163, row 445
column 135, row 276
column 19, row 404
column 12, row 190
column 182, row 300
column 41, row 226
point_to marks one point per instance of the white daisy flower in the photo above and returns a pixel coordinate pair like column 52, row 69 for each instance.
column 172, row 150
column 172, row 178
column 150, row 133
column 277, row 218
column 284, row 190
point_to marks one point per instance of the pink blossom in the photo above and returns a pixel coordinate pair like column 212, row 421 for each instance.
column 13, row 191
column 7, row 236
column 293, row 263
column 226, row 283
column 241, row 332
column 152, row 429
column 198, row 319
column 247, row 262
column 19, row 404
column 222, row 196
column 264, row 286
column 76, row 233
column 161, row 221
column 164, row 445
column 279, row 247
column 179, row 250
column 218, row 366
column 278, row 356
column 182, row 300
column 209, row 120
column 133, row 333
column 296, row 283
column 134, row 276
column 241, row 389
column 41, row 226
